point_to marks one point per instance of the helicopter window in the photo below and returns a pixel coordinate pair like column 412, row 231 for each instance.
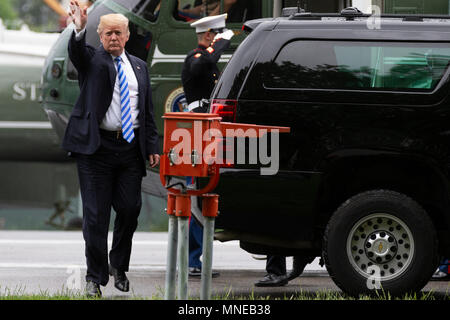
column 243, row 10
column 148, row 9
column 315, row 6
column 238, row 10
column 129, row 4
column 189, row 10
column 139, row 42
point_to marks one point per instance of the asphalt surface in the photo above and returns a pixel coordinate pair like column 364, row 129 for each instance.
column 50, row 263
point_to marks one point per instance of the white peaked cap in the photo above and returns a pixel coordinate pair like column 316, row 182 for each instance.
column 211, row 22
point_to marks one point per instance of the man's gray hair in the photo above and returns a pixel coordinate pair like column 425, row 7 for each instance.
column 112, row 19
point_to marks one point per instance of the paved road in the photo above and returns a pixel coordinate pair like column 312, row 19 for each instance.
column 34, row 262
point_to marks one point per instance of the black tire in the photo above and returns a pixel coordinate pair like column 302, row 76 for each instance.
column 382, row 231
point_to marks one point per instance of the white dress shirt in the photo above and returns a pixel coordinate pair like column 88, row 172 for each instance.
column 112, row 120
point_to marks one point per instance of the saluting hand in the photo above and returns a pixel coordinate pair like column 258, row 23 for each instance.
column 78, row 15
column 227, row 35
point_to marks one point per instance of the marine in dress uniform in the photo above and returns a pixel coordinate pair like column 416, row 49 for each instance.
column 199, row 76
column 200, row 72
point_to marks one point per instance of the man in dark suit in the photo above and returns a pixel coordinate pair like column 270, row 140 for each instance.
column 111, row 133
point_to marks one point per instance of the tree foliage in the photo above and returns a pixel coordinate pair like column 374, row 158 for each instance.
column 36, row 14
column 7, row 11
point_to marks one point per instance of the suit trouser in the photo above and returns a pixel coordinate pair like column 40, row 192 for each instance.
column 111, row 177
column 277, row 264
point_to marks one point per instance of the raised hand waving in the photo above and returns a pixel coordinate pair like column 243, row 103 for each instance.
column 78, row 15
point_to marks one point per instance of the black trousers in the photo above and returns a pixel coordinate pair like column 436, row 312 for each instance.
column 111, row 177
column 277, row 264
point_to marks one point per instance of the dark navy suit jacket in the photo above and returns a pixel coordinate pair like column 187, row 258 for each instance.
column 96, row 76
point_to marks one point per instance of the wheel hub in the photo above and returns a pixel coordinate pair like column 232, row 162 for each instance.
column 381, row 247
column 380, row 242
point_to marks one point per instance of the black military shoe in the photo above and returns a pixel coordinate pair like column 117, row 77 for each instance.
column 440, row 276
column 195, row 272
column 93, row 289
column 121, row 281
column 272, row 280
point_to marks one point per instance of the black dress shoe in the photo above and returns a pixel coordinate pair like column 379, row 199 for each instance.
column 197, row 272
column 121, row 281
column 93, row 289
column 272, row 280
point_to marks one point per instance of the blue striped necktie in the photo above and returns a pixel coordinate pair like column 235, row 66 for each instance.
column 127, row 124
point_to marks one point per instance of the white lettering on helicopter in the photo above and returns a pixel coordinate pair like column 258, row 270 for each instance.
column 26, row 90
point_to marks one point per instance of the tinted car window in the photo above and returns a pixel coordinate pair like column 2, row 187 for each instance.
column 359, row 65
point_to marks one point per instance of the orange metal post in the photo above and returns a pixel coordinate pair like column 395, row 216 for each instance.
column 210, row 205
column 186, row 136
column 170, row 204
column 183, row 205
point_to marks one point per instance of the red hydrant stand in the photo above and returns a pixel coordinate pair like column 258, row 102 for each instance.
column 193, row 126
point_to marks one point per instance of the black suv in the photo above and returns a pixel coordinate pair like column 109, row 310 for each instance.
column 363, row 176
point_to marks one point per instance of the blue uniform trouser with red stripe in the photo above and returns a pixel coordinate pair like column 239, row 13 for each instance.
column 444, row 266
